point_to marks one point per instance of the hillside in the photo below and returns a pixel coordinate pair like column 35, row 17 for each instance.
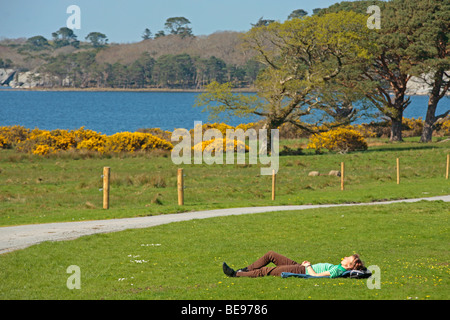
column 222, row 45
column 171, row 61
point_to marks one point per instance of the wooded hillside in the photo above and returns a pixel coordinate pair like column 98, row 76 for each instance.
column 170, row 61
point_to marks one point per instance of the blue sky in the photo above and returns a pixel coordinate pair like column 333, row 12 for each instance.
column 124, row 20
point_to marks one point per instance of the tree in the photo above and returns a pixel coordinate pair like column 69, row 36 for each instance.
column 159, row 34
column 37, row 42
column 174, row 71
column 118, row 75
column 262, row 22
column 316, row 10
column 6, row 64
column 178, row 26
column 59, row 68
column 141, row 70
column 299, row 13
column 65, row 37
column 84, row 69
column 414, row 40
column 392, row 63
column 97, row 39
column 251, row 69
column 300, row 57
column 426, row 24
column 147, row 34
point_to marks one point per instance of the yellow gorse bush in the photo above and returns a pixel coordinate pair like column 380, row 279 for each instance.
column 3, row 142
column 43, row 142
column 221, row 145
column 12, row 135
column 222, row 127
column 342, row 140
column 135, row 141
column 444, row 125
column 43, row 149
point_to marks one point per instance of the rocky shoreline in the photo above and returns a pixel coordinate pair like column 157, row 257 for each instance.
column 30, row 80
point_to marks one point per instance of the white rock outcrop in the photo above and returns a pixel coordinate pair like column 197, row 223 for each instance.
column 420, row 85
column 6, row 76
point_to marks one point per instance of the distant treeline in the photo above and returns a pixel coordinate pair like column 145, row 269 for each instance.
column 177, row 71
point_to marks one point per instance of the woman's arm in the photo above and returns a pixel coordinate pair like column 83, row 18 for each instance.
column 311, row 272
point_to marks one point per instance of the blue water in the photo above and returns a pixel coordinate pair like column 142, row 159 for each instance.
column 111, row 112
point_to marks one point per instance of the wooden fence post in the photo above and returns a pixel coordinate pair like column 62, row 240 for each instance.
column 448, row 165
column 180, row 187
column 342, row 176
column 398, row 171
column 273, row 184
column 106, row 176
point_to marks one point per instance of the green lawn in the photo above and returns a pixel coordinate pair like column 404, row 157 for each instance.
column 408, row 242
column 35, row 189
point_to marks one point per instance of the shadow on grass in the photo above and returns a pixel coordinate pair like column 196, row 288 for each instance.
column 400, row 147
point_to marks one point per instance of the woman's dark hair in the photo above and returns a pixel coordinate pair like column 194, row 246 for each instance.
column 357, row 263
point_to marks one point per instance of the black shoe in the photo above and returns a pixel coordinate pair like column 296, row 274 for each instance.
column 242, row 270
column 228, row 271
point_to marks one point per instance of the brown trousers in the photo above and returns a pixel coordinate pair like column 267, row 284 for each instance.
column 282, row 264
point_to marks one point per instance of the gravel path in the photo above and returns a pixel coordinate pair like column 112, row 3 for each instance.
column 19, row 237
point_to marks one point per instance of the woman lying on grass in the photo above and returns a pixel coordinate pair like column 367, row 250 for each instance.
column 282, row 264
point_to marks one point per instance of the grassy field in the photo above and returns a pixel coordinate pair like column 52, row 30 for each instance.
column 65, row 187
column 408, row 242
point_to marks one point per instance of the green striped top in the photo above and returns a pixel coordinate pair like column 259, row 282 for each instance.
column 335, row 270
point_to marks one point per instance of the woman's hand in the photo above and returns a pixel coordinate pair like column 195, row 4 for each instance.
column 306, row 263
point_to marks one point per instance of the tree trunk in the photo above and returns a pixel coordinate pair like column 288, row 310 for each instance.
column 396, row 129
column 430, row 119
column 435, row 96
column 397, row 115
column 266, row 145
column 265, row 142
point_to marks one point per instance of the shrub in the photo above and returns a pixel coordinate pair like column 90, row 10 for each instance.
column 3, row 142
column 62, row 139
column 93, row 143
column 42, row 149
column 157, row 132
column 221, row 145
column 36, row 138
column 443, row 126
column 43, row 142
column 10, row 136
column 222, row 127
column 134, row 141
column 365, row 130
column 342, row 140
column 412, row 127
